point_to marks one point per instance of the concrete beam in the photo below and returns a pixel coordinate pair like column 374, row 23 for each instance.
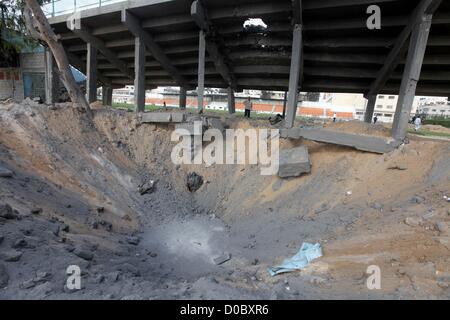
column 294, row 77
column 200, row 16
column 398, row 50
column 107, row 95
column 284, row 104
column 134, row 25
column 163, row 117
column 368, row 116
column 183, row 98
column 411, row 76
column 139, row 71
column 231, row 101
column 85, row 34
column 201, row 69
column 297, row 9
column 91, row 73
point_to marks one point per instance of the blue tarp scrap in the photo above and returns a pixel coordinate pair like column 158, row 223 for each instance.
column 308, row 252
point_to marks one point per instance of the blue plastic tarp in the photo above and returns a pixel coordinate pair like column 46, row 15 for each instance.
column 308, row 252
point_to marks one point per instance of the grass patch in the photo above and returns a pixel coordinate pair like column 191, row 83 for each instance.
column 438, row 122
column 430, row 133
column 131, row 107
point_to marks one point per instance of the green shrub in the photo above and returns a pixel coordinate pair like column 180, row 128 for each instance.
column 438, row 122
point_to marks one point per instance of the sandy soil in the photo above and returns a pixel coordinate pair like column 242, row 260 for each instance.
column 364, row 209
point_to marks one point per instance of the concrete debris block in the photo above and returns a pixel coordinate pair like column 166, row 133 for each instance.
column 22, row 244
column 4, row 276
column 84, row 254
column 36, row 211
column 11, row 255
column 359, row 142
column 222, row 259
column 147, row 187
column 418, row 199
column 399, row 167
column 413, row 221
column 6, row 211
column 294, row 162
column 162, row 117
column 6, row 173
column 28, row 284
column 194, row 182
column 443, row 227
column 215, row 123
column 377, row 206
column 129, row 269
column 133, row 240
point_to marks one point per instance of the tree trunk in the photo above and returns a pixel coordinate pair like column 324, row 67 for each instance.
column 45, row 33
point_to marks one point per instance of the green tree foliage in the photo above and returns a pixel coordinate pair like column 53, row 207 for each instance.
column 14, row 36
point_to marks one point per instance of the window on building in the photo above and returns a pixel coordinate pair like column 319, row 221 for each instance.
column 390, row 107
column 388, row 115
column 379, row 106
column 391, row 97
column 381, row 97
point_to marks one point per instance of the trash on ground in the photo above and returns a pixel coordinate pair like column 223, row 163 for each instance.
column 308, row 252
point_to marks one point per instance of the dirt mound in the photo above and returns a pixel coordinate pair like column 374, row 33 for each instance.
column 435, row 128
column 76, row 199
column 358, row 127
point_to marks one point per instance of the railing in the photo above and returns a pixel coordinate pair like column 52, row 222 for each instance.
column 60, row 7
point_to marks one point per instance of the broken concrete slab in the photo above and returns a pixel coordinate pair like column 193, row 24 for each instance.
column 6, row 173
column 293, row 133
column 162, row 117
column 191, row 129
column 215, row 123
column 294, row 162
column 222, row 259
column 360, row 142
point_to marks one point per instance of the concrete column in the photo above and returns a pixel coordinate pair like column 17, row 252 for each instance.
column 91, row 73
column 231, row 101
column 284, row 104
column 294, row 77
column 107, row 96
column 368, row 116
column 50, row 78
column 201, row 69
column 411, row 76
column 139, row 74
column 183, row 98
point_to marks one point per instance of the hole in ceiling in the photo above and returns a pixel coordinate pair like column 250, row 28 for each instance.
column 255, row 25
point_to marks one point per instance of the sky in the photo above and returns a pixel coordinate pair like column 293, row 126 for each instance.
column 67, row 6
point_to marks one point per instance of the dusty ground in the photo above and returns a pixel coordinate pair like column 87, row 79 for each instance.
column 76, row 201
